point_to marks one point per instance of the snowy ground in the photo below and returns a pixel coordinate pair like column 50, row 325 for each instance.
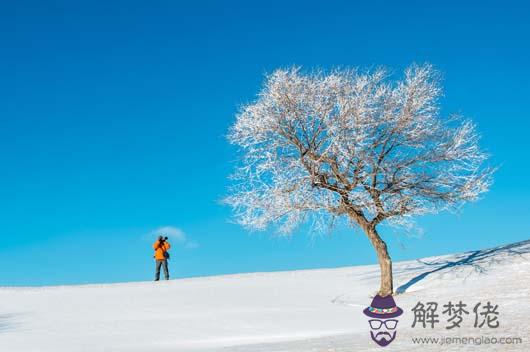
column 313, row 310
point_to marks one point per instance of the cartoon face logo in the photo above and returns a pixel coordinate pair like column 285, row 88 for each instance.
column 383, row 311
column 383, row 331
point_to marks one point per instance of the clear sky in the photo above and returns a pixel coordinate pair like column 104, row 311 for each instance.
column 114, row 115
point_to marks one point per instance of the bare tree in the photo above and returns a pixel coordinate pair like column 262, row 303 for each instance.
column 321, row 147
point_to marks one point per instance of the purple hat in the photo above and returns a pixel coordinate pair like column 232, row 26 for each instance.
column 383, row 308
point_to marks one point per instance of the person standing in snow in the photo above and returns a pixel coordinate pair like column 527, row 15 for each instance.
column 161, row 246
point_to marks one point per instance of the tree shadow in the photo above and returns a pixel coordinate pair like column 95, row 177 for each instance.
column 477, row 260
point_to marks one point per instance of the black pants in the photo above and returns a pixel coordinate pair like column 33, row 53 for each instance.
column 162, row 262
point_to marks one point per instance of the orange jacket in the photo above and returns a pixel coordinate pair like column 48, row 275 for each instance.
column 160, row 249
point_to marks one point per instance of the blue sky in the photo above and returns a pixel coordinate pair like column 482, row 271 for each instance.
column 114, row 115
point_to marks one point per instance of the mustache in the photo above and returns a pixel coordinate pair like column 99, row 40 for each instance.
column 383, row 333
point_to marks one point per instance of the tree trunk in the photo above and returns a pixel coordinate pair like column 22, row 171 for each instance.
column 385, row 263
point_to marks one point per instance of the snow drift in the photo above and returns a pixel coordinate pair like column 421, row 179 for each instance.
column 309, row 310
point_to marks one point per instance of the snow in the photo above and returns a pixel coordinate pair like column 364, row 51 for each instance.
column 308, row 310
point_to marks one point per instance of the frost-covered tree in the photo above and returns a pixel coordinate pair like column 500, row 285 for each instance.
column 321, row 147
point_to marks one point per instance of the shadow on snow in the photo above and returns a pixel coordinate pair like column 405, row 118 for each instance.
column 7, row 322
column 478, row 260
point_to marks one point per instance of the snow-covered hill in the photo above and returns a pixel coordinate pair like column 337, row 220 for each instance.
column 311, row 310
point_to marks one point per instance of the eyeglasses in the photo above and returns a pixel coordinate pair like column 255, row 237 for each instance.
column 376, row 324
